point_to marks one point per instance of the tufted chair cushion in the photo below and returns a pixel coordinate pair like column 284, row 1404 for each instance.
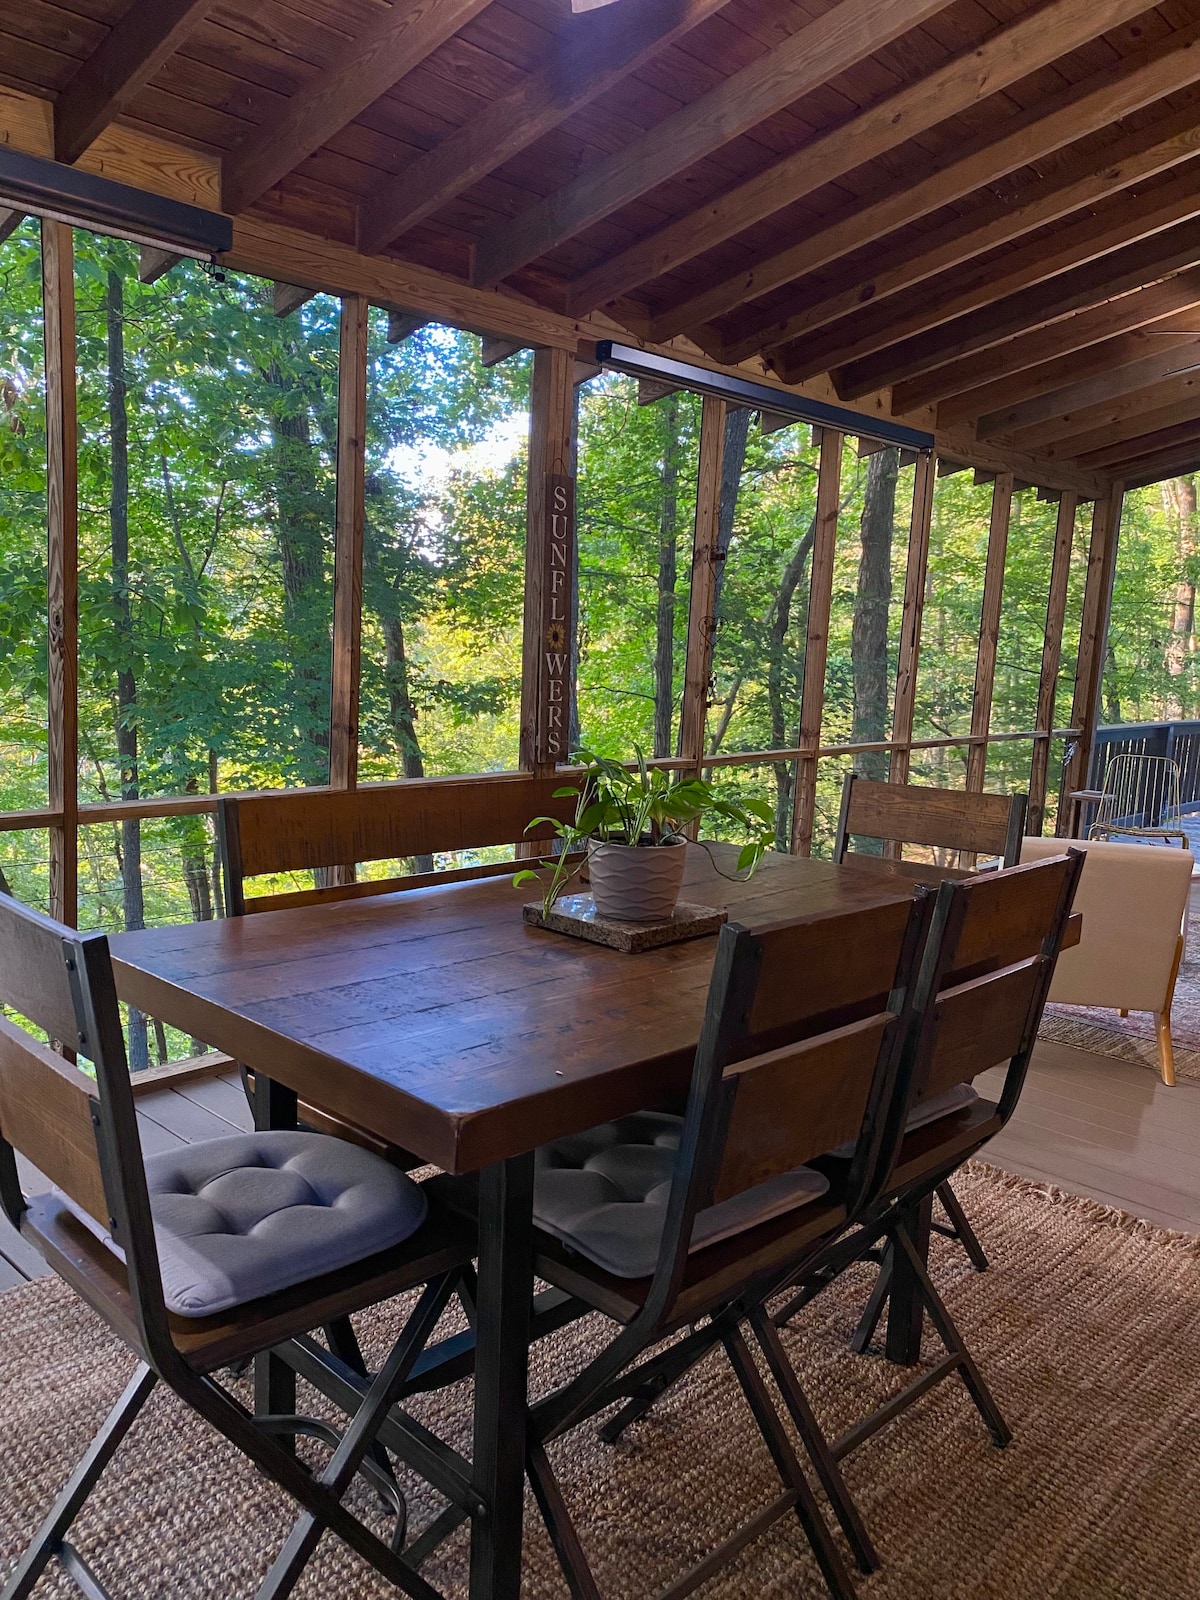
column 604, row 1194
column 924, row 1112
column 238, row 1218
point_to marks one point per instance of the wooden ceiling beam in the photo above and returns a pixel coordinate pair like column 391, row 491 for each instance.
column 1097, row 282
column 403, row 36
column 403, row 324
column 1117, row 456
column 1087, row 181
column 1137, row 81
column 1163, row 406
column 1075, row 397
column 288, row 297
column 118, row 69
column 154, row 263
column 1042, row 344
column 1045, row 379
column 1099, row 231
column 1170, row 465
column 1008, row 56
column 588, row 57
column 835, row 42
column 10, row 221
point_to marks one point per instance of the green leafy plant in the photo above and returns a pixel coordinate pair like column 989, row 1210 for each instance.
column 645, row 806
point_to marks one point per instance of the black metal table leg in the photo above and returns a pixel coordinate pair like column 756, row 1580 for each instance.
column 501, row 1369
column 906, row 1305
column 275, row 1106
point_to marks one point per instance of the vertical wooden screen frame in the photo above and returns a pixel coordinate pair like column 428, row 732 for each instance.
column 697, row 672
column 551, row 474
column 989, row 631
column 1097, row 599
column 1056, row 608
column 62, row 532
column 348, row 542
column 912, row 617
column 816, row 649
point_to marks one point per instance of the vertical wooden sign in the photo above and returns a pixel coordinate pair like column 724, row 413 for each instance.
column 558, row 606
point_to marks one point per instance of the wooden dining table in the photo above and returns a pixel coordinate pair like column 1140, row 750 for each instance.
column 441, row 1022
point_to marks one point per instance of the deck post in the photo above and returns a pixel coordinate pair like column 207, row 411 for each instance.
column 912, row 617
column 1056, row 607
column 989, row 631
column 348, row 542
column 816, row 648
column 701, row 620
column 62, row 519
column 1093, row 636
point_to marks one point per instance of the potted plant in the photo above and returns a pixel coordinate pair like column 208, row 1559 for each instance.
column 630, row 823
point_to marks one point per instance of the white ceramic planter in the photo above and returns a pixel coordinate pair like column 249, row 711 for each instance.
column 636, row 883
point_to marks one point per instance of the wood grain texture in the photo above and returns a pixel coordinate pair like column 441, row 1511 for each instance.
column 989, row 630
column 912, row 617
column 444, row 1023
column 46, row 1114
column 591, row 56
column 62, row 574
column 946, row 819
column 1097, row 598
column 1056, row 606
column 137, row 46
column 348, row 542
column 551, row 456
column 389, row 48
column 1006, row 57
column 799, row 64
column 816, row 648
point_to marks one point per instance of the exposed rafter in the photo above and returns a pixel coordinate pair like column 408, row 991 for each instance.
column 1042, row 344
column 155, row 263
column 829, row 46
column 588, row 58
column 1079, row 396
column 286, row 298
column 1009, row 55
column 1181, row 436
column 134, row 50
column 1160, row 406
column 402, row 37
column 1083, row 109
column 1172, row 464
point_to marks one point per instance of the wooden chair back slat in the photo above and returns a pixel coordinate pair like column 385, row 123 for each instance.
column 793, row 1104
column 981, row 1024
column 46, row 1113
column 1007, row 916
column 831, row 968
column 33, row 976
column 947, row 819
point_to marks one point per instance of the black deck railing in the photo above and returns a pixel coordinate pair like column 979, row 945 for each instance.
column 1178, row 741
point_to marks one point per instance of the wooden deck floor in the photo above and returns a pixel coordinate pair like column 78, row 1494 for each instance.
column 1092, row 1125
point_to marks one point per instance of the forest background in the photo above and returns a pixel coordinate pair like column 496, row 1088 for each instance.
column 207, row 471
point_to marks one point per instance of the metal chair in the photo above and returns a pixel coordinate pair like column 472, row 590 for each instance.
column 340, row 1231
column 1140, row 800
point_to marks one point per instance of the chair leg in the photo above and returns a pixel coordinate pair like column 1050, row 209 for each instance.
column 343, row 1465
column 860, row 1340
column 963, row 1231
column 808, row 1512
column 954, row 1342
column 50, row 1538
column 343, row 1343
column 559, row 1526
column 1166, row 1048
column 814, row 1441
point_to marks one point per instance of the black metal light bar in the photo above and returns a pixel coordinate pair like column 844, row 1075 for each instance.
column 744, row 392
column 50, row 189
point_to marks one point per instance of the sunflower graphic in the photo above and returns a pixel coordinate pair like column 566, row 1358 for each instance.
column 556, row 636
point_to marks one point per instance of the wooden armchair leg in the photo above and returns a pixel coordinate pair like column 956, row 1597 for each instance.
column 1162, row 1024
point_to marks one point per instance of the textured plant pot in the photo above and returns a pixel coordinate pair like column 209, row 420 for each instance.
column 636, row 883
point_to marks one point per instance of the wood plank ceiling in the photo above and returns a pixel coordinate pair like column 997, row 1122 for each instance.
column 988, row 210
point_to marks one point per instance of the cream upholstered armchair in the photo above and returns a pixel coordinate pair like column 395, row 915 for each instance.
column 1134, row 900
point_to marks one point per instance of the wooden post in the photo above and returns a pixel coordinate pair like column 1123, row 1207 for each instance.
column 1089, row 673
column 1056, row 606
column 816, row 649
column 989, row 631
column 62, row 518
column 549, row 563
column 348, row 542
column 911, row 617
column 701, row 621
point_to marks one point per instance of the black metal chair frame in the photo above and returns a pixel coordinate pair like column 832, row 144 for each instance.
column 63, row 982
column 627, row 1371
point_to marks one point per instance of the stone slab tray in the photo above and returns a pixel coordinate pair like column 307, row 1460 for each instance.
column 576, row 916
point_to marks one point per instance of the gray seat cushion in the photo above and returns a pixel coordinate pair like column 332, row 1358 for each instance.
column 604, row 1194
column 924, row 1112
column 246, row 1216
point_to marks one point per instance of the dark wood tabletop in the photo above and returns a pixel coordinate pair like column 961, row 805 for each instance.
column 440, row 1020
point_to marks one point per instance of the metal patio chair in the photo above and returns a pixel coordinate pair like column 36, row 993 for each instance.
column 665, row 1223
column 169, row 1253
column 1140, row 799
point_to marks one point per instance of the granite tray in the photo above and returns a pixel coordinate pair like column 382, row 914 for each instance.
column 575, row 915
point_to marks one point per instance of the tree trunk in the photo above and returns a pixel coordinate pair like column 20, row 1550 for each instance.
column 5, row 886
column 869, row 637
column 402, row 713
column 737, row 429
column 668, row 533
column 1110, row 696
column 126, row 717
column 1181, row 495
column 299, row 528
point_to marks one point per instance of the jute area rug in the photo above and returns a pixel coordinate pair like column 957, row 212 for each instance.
column 1086, row 1325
